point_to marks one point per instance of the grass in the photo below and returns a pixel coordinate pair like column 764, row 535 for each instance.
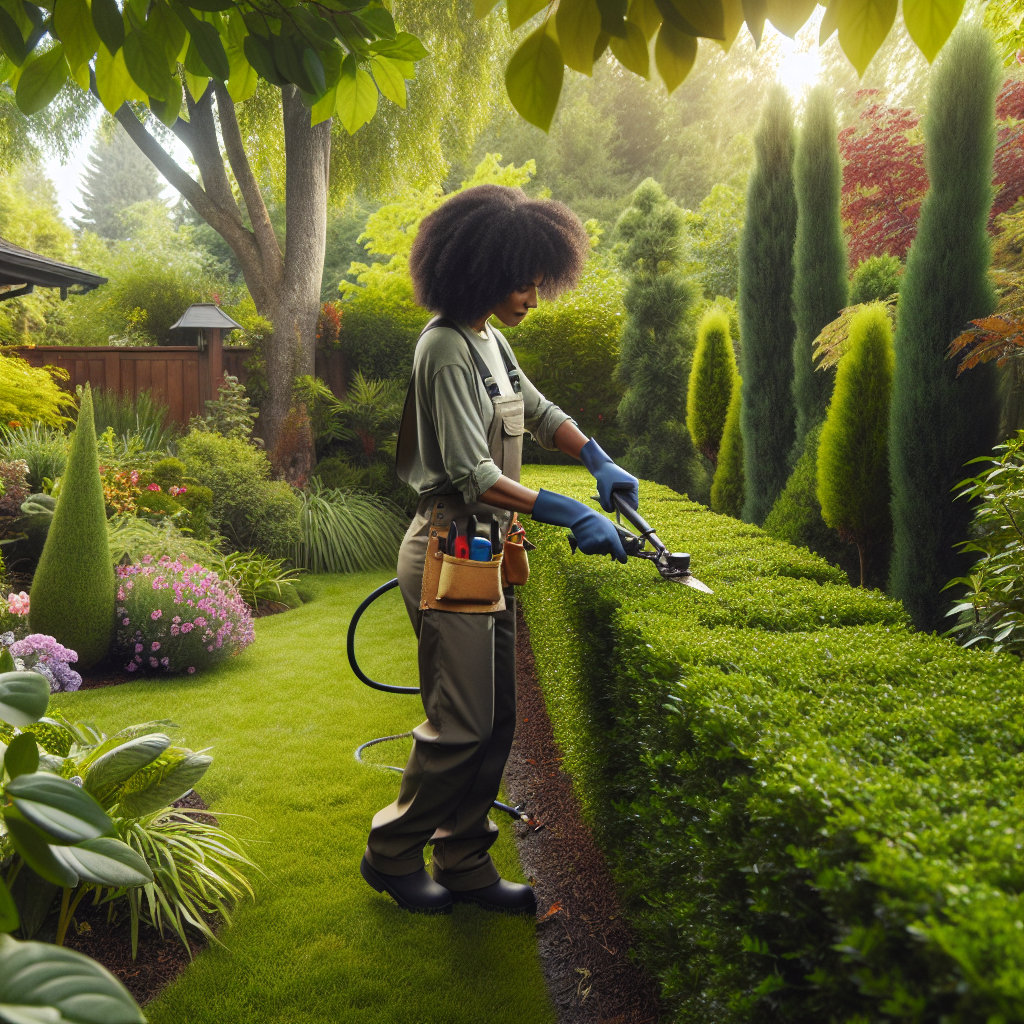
column 319, row 946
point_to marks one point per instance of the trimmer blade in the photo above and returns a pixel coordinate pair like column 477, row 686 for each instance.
column 687, row 579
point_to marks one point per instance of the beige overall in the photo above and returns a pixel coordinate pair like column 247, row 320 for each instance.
column 467, row 669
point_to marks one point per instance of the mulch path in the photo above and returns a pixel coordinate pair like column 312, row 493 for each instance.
column 583, row 941
column 159, row 960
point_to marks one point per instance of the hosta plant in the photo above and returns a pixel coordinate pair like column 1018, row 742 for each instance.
column 174, row 617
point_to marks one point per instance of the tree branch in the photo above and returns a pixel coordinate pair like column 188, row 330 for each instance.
column 242, row 169
column 205, row 150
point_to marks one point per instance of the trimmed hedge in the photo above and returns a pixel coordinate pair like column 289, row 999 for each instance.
column 813, row 813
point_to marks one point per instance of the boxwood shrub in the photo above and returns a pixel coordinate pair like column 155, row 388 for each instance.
column 813, row 813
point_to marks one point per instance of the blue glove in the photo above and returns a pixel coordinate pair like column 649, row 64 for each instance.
column 594, row 534
column 609, row 477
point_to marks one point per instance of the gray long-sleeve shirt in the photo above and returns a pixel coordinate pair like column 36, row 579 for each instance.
column 454, row 412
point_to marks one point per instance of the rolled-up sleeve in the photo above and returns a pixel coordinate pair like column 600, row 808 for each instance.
column 460, row 433
column 542, row 417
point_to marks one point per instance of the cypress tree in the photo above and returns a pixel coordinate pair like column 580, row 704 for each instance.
column 766, row 309
column 939, row 421
column 73, row 587
column 727, row 487
column 655, row 347
column 853, row 453
column 710, row 387
column 819, row 286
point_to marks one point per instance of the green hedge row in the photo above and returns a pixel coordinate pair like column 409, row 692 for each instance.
column 814, row 814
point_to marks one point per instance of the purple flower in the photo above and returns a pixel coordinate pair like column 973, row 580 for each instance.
column 191, row 669
column 155, row 645
column 138, row 648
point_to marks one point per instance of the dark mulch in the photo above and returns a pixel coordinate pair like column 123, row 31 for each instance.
column 159, row 960
column 584, row 944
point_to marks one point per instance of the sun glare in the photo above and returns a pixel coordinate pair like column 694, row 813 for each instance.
column 799, row 59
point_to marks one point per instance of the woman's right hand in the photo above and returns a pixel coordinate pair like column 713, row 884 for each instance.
column 594, row 534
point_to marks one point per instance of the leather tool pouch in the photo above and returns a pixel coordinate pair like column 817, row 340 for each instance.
column 460, row 584
column 515, row 565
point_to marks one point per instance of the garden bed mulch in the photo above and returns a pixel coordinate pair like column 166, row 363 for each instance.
column 159, row 960
column 583, row 941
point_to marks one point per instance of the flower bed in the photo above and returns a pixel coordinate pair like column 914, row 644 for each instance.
column 813, row 812
column 174, row 617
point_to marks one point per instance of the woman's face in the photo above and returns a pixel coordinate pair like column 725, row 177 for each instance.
column 511, row 310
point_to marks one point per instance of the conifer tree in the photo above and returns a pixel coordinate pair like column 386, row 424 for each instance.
column 655, row 347
column 766, row 310
column 938, row 420
column 819, row 286
column 116, row 176
column 727, row 487
column 710, row 387
column 73, row 587
column 853, row 453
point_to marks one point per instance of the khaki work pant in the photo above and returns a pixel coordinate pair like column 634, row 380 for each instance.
column 467, row 668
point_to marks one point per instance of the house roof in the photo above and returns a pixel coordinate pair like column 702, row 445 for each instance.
column 19, row 266
column 205, row 314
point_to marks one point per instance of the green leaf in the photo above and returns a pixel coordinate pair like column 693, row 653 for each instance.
column 632, row 52
column 258, row 54
column 314, row 69
column 754, row 13
column 379, row 20
column 578, row 23
column 828, row 23
column 106, row 17
column 244, row 78
column 324, row 107
column 211, row 5
column 23, row 697
column 8, row 911
column 163, row 24
column 11, row 39
column 41, row 79
column 930, row 23
column 706, row 16
column 481, row 8
column 6, row 660
column 404, row 46
column 521, row 11
column 674, row 54
column 105, row 862
column 613, row 17
column 356, row 97
column 646, row 16
column 37, row 852
column 65, row 812
column 73, row 23
column 533, row 78
column 196, row 85
column 863, row 26
column 22, row 756
column 789, row 16
column 39, row 980
column 207, row 42
column 146, row 61
column 389, row 79
column 169, row 109
column 116, row 766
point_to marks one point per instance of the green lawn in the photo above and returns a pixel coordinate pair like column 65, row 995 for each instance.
column 319, row 946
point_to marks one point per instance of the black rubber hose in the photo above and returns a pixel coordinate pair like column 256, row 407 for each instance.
column 516, row 812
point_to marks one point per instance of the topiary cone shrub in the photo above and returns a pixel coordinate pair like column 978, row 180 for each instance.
column 73, row 588
column 710, row 387
column 727, row 488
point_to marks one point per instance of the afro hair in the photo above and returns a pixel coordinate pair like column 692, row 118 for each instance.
column 481, row 245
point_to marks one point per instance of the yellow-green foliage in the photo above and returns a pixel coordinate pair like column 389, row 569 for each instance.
column 853, row 453
column 712, row 378
column 788, row 782
column 30, row 394
column 73, row 588
column 727, row 488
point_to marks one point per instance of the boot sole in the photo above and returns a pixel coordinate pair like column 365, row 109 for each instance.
column 375, row 881
column 494, row 908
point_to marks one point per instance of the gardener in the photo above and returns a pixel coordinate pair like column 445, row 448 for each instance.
column 486, row 251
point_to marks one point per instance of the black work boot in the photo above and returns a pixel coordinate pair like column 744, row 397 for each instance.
column 506, row 897
column 417, row 892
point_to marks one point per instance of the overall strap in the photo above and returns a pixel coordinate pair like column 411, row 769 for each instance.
column 490, row 385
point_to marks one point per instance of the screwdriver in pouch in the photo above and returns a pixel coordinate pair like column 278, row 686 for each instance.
column 495, row 537
column 460, row 547
column 479, row 547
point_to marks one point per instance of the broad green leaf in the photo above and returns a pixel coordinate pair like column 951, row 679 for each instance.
column 168, row 110
column 521, row 11
column 21, row 756
column 116, row 766
column 314, row 69
column 105, row 862
column 6, row 661
column 706, row 16
column 164, row 25
column 632, row 52
column 258, row 54
column 106, row 18
column 613, row 17
column 754, row 14
column 197, row 85
column 11, row 39
column 481, row 8
column 73, row 21
column 146, row 61
column 65, row 812
column 38, row 980
column 243, row 79
column 930, row 23
column 828, row 23
column 863, row 26
column 578, row 23
column 113, row 82
column 206, row 41
column 389, row 80
column 355, row 99
column 324, row 107
column 211, row 5
column 8, row 911
column 23, row 697
column 37, row 852
column 732, row 11
column 533, row 78
column 789, row 16
column 645, row 14
column 404, row 46
column 379, row 20
column 674, row 54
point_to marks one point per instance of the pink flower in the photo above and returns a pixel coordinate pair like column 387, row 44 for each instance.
column 130, row 666
column 153, row 662
column 147, row 559
column 125, row 622
column 155, row 646
column 17, row 604
column 165, row 661
column 155, row 614
column 191, row 669
column 138, row 648
column 153, row 487
column 186, row 627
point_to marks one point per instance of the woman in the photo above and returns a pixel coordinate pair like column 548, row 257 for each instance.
column 486, row 252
